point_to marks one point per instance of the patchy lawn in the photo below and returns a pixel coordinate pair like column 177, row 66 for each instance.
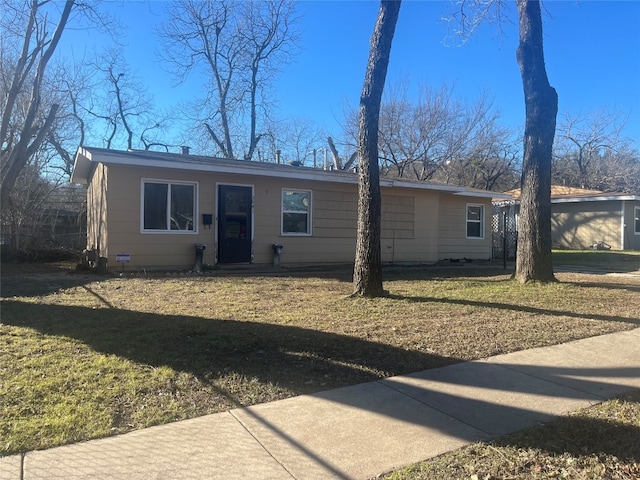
column 625, row 261
column 599, row 442
column 83, row 356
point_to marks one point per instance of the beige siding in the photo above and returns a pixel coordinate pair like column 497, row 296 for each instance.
column 335, row 211
column 409, row 226
column 452, row 232
column 97, row 230
column 410, row 222
column 163, row 250
column 333, row 225
column 398, row 217
column 579, row 225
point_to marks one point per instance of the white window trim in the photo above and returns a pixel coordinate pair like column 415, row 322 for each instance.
column 196, row 224
column 309, row 213
column 636, row 214
column 482, row 220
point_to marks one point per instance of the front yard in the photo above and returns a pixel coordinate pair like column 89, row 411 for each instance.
column 84, row 356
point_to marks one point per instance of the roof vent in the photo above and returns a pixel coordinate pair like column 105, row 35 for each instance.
column 185, row 150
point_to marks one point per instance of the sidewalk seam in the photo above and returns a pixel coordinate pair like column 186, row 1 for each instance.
column 259, row 443
column 391, row 387
column 602, row 398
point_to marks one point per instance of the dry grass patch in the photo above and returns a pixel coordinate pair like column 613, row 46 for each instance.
column 611, row 260
column 600, row 442
column 83, row 356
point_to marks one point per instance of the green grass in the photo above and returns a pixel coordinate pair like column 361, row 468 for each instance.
column 84, row 357
column 618, row 261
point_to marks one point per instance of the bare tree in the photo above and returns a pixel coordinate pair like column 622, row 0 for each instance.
column 586, row 148
column 618, row 171
column 26, row 216
column 338, row 161
column 69, row 129
column 438, row 137
column 37, row 109
column 239, row 46
column 296, row 138
column 20, row 139
column 534, row 262
column 367, row 272
column 23, row 207
column 122, row 105
column 489, row 160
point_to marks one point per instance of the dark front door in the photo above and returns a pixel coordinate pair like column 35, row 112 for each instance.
column 234, row 224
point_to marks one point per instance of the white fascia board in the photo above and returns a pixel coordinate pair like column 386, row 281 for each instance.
column 604, row 198
column 81, row 167
column 454, row 189
column 485, row 194
column 600, row 198
column 86, row 156
column 240, row 169
column 385, row 182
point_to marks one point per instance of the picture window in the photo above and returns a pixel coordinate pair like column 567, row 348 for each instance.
column 168, row 207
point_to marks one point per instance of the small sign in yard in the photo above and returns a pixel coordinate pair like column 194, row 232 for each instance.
column 123, row 258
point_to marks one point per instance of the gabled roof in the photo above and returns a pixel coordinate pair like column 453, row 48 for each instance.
column 88, row 157
column 563, row 194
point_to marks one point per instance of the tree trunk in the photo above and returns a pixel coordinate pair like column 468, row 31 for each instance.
column 15, row 157
column 334, row 153
column 534, row 261
column 367, row 274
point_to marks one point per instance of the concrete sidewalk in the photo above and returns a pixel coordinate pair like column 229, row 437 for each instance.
column 360, row 431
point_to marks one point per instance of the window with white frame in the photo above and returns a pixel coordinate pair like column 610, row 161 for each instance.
column 475, row 221
column 296, row 212
column 636, row 216
column 168, row 206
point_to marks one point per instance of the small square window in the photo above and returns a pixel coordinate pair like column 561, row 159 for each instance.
column 296, row 212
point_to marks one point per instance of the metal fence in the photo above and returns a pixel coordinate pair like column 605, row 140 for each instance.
column 504, row 232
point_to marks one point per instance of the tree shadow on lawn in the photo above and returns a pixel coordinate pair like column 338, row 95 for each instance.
column 474, row 401
column 344, row 272
column 40, row 284
column 582, row 435
column 600, row 262
column 609, row 286
column 444, row 271
column 465, row 397
column 306, row 361
column 518, row 308
column 297, row 358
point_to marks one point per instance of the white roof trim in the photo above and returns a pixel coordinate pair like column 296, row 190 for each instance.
column 88, row 156
column 595, row 198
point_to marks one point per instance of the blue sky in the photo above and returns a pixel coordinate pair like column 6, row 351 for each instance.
column 592, row 51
